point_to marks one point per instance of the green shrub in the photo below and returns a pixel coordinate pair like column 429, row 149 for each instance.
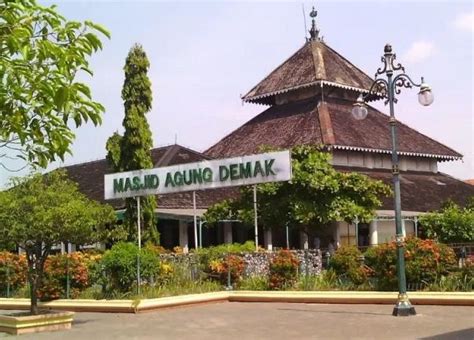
column 425, row 261
column 283, row 270
column 346, row 262
column 119, row 267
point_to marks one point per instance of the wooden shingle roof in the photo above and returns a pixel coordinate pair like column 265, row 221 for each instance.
column 313, row 64
column 299, row 123
column 420, row 191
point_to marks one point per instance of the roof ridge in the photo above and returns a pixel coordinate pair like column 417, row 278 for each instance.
column 194, row 151
column 451, row 176
column 167, row 156
column 325, row 123
column 321, row 65
column 105, row 158
column 80, row 163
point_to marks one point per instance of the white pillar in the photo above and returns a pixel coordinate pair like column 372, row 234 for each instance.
column 267, row 237
column 337, row 232
column 183, row 236
column 303, row 240
column 373, row 233
column 227, row 232
column 404, row 230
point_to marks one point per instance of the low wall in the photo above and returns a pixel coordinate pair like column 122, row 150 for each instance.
column 257, row 263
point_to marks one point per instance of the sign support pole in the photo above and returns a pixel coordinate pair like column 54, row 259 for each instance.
column 195, row 221
column 200, row 233
column 256, row 215
column 356, row 224
column 139, row 244
column 68, row 282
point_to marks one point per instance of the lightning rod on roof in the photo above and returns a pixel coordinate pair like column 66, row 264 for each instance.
column 304, row 19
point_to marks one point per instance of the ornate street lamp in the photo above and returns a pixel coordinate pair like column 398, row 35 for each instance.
column 387, row 89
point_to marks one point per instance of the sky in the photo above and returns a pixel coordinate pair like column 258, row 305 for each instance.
column 205, row 55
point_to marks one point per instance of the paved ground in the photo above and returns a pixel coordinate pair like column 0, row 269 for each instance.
column 232, row 320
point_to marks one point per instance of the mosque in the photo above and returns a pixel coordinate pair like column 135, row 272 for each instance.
column 308, row 99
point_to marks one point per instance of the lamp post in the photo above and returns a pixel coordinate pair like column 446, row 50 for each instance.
column 388, row 88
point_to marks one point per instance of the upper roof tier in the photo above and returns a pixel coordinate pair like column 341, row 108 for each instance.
column 314, row 64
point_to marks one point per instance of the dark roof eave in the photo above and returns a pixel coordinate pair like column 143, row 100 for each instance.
column 404, row 153
column 260, row 98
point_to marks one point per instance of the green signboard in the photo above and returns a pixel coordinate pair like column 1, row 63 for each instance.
column 245, row 170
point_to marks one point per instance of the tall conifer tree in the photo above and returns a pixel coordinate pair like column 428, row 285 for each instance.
column 132, row 150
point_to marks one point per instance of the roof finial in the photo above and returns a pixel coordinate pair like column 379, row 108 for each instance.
column 314, row 32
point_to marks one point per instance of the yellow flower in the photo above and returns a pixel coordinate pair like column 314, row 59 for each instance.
column 166, row 268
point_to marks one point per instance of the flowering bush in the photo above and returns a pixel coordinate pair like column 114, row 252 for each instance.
column 221, row 267
column 56, row 269
column 178, row 250
column 206, row 255
column 13, row 270
column 283, row 270
column 347, row 261
column 425, row 260
column 155, row 249
column 165, row 273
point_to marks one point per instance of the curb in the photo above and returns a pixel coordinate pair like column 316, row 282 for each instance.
column 101, row 306
column 339, row 297
column 335, row 297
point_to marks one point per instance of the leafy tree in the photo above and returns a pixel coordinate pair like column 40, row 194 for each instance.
column 450, row 224
column 39, row 212
column 316, row 195
column 41, row 54
column 132, row 150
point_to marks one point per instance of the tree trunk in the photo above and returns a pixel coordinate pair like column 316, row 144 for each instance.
column 33, row 281
column 36, row 259
column 34, row 297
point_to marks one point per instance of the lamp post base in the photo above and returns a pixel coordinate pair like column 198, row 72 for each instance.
column 403, row 306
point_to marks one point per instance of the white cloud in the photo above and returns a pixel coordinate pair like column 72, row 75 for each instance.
column 465, row 21
column 419, row 51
